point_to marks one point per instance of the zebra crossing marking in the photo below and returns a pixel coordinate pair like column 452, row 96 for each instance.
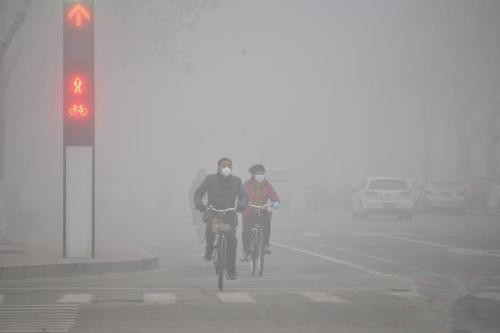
column 159, row 298
column 76, row 298
column 321, row 297
column 235, row 297
column 488, row 294
column 54, row 318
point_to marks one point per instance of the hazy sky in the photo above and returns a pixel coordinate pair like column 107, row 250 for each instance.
column 323, row 89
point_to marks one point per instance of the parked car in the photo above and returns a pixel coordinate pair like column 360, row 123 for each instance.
column 443, row 195
column 383, row 196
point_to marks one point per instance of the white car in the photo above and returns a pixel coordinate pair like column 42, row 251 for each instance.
column 383, row 196
column 443, row 194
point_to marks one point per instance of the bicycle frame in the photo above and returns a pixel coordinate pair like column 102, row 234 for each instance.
column 220, row 243
column 257, row 242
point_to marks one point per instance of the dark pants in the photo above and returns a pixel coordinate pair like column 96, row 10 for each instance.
column 230, row 238
column 249, row 222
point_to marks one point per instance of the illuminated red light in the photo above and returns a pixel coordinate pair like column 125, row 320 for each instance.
column 78, row 110
column 78, row 14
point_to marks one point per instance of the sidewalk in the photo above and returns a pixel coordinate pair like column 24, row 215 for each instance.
column 20, row 258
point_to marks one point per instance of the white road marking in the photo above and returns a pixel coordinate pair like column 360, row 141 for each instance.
column 41, row 306
column 470, row 252
column 411, row 284
column 93, row 288
column 387, row 261
column 409, row 293
column 159, row 298
column 235, row 298
column 76, row 298
column 37, row 318
column 321, row 297
column 312, row 234
column 486, row 294
column 452, row 249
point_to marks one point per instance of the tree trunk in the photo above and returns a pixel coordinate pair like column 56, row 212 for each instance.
column 464, row 147
column 427, row 145
column 490, row 158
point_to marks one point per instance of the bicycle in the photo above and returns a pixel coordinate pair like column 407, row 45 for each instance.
column 220, row 243
column 257, row 241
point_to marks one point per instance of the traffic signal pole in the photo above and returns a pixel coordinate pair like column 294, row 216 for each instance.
column 78, row 129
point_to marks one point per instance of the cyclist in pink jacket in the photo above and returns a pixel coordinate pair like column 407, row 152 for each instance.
column 260, row 192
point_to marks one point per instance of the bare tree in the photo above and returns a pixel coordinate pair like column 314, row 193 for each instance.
column 4, row 78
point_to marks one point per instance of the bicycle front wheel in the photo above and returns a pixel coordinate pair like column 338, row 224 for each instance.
column 220, row 262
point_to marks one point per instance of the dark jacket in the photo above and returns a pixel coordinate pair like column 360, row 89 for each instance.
column 222, row 193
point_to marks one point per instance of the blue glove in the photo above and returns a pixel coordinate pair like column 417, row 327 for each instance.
column 276, row 204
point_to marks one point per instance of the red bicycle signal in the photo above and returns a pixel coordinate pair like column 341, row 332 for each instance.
column 78, row 110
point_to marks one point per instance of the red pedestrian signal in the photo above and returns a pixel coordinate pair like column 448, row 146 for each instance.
column 77, row 86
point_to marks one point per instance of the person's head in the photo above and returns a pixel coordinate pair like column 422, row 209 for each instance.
column 258, row 171
column 224, row 166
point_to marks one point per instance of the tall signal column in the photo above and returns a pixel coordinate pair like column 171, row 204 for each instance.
column 78, row 129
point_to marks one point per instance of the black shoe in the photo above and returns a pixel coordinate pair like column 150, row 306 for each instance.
column 231, row 275
column 208, row 254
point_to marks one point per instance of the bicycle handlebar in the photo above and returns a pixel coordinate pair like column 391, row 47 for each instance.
column 211, row 208
column 261, row 207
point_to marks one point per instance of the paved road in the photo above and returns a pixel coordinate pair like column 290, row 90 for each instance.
column 327, row 273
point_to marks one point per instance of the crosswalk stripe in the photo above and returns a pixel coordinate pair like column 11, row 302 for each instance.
column 38, row 315
column 320, row 297
column 41, row 321
column 235, row 298
column 35, row 306
column 159, row 298
column 20, row 325
column 76, row 298
column 488, row 294
column 14, row 330
column 19, row 318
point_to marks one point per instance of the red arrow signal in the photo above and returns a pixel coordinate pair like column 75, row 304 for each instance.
column 78, row 14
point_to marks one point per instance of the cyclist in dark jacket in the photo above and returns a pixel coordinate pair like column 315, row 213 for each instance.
column 223, row 190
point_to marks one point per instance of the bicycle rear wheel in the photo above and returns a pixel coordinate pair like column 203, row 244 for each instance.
column 260, row 257
column 220, row 279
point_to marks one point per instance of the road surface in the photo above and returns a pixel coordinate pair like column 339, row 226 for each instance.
column 327, row 273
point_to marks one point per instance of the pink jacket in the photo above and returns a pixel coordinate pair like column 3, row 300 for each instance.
column 268, row 194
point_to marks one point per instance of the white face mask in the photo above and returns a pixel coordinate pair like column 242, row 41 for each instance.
column 226, row 171
column 260, row 178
